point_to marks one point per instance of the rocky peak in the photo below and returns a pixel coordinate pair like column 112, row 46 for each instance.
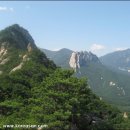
column 16, row 36
column 74, row 61
column 29, row 47
column 83, row 58
column 2, row 50
column 15, row 45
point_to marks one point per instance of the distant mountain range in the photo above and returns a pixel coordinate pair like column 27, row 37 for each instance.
column 109, row 84
column 119, row 60
column 60, row 57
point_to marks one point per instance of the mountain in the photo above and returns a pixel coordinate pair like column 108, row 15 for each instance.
column 36, row 94
column 119, row 60
column 82, row 59
column 111, row 86
column 16, row 36
column 15, row 46
column 60, row 57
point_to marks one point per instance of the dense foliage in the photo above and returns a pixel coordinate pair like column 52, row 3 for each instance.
column 40, row 93
column 100, row 76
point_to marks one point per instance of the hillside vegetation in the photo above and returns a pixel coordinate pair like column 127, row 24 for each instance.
column 111, row 85
column 40, row 93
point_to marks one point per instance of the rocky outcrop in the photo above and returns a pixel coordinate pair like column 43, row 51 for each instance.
column 15, row 46
column 4, row 61
column 125, row 115
column 79, row 59
column 17, row 67
column 29, row 47
column 3, row 50
column 112, row 83
column 16, row 36
column 74, row 61
column 25, row 58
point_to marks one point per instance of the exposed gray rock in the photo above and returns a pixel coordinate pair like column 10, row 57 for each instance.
column 25, row 58
column 79, row 59
column 4, row 61
column 17, row 67
column 74, row 61
column 3, row 51
column 125, row 115
column 29, row 47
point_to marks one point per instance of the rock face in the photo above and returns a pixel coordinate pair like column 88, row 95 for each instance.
column 3, row 50
column 112, row 83
column 74, row 61
column 25, row 58
column 125, row 115
column 16, row 44
column 29, row 47
column 4, row 61
column 79, row 59
column 17, row 37
column 17, row 67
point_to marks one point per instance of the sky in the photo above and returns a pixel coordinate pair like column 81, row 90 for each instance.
column 97, row 26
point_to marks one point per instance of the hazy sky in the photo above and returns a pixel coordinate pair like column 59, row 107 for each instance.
column 96, row 26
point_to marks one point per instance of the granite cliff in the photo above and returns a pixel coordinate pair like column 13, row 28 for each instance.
column 83, row 58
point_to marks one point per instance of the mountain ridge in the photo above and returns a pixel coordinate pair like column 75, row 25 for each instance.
column 40, row 93
column 16, row 36
column 16, row 46
column 119, row 60
column 111, row 85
